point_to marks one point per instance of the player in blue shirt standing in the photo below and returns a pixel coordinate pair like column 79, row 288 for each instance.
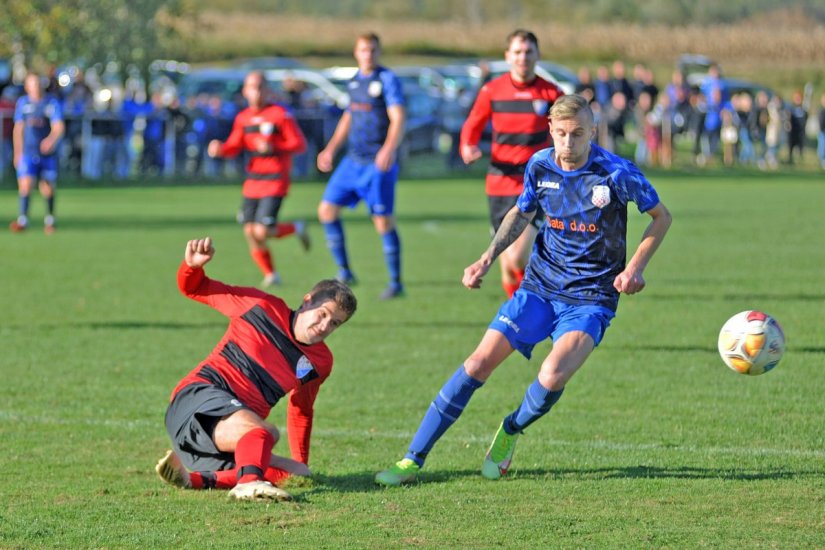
column 373, row 126
column 38, row 127
column 571, row 287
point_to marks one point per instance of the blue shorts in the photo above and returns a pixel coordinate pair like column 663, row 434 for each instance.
column 353, row 182
column 39, row 167
column 526, row 319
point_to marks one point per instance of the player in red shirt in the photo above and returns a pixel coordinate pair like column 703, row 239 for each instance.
column 215, row 418
column 270, row 136
column 517, row 103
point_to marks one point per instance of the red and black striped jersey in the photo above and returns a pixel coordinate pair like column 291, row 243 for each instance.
column 520, row 128
column 258, row 359
column 267, row 175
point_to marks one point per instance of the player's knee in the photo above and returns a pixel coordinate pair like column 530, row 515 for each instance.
column 327, row 213
column 553, row 378
column 383, row 224
column 254, row 232
column 479, row 367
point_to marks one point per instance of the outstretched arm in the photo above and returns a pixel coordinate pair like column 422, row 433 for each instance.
column 631, row 280
column 512, row 226
column 193, row 282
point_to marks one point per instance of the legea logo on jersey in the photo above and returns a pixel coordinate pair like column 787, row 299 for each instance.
column 540, row 106
column 548, row 184
column 374, row 89
column 601, row 196
column 509, row 322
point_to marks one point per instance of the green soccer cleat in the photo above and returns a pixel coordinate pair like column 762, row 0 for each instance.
column 403, row 471
column 499, row 455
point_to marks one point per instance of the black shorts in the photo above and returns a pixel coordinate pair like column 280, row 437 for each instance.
column 190, row 420
column 264, row 210
column 500, row 205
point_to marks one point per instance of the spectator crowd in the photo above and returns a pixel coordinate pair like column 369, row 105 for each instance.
column 127, row 131
column 716, row 121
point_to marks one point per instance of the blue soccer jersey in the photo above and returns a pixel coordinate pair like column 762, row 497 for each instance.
column 37, row 118
column 370, row 96
column 582, row 245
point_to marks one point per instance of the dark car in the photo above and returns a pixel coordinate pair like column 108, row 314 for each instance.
column 224, row 83
column 423, row 124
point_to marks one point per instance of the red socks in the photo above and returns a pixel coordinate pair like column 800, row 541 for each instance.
column 252, row 454
column 511, row 288
column 263, row 260
column 283, row 229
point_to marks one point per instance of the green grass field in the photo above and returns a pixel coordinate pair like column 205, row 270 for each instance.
column 655, row 443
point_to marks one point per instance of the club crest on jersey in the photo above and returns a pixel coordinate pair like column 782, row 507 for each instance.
column 540, row 106
column 601, row 196
column 266, row 128
column 375, row 88
column 304, row 370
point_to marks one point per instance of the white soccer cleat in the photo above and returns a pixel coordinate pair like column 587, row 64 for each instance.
column 258, row 490
column 273, row 279
column 171, row 471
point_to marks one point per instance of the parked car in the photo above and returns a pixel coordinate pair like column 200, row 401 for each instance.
column 460, row 77
column 317, row 103
column 339, row 76
column 270, row 62
column 565, row 76
column 221, row 82
column 318, row 88
column 423, row 124
column 426, row 78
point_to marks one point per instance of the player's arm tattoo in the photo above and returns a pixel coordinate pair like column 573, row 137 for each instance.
column 511, row 227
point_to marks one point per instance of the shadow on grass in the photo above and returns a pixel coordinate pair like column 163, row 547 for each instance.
column 697, row 349
column 363, row 482
column 109, row 223
column 114, row 325
column 736, row 296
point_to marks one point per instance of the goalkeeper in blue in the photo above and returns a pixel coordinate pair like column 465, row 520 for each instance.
column 571, row 288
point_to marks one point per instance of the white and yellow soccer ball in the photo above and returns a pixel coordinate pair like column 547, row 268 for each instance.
column 751, row 342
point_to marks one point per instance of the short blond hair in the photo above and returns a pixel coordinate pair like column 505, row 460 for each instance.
column 369, row 37
column 569, row 106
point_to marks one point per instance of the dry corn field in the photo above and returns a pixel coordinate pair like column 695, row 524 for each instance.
column 789, row 40
column 783, row 50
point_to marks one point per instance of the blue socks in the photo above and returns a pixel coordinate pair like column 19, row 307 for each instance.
column 24, row 206
column 537, row 402
column 443, row 412
column 336, row 243
column 392, row 256
column 337, row 246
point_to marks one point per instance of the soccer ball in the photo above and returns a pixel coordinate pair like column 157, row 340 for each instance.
column 751, row 342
